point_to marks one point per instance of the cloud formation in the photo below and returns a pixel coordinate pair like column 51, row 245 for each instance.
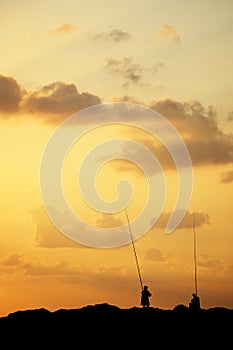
column 59, row 98
column 131, row 72
column 10, row 94
column 125, row 68
column 116, row 35
column 156, row 254
column 208, row 263
column 46, row 234
column 197, row 124
column 111, row 277
column 201, row 219
column 198, row 127
column 108, row 220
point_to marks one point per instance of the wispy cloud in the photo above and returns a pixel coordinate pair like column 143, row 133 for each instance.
column 209, row 263
column 125, row 68
column 158, row 66
column 65, row 28
column 116, row 35
column 168, row 32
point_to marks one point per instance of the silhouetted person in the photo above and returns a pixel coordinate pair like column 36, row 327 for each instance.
column 145, row 297
column 195, row 302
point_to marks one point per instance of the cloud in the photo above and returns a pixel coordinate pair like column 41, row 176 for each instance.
column 198, row 127
column 127, row 99
column 54, row 102
column 116, row 35
column 206, row 143
column 16, row 262
column 197, row 124
column 59, row 269
column 155, row 254
column 46, row 234
column 65, row 28
column 210, row 263
column 227, row 177
column 108, row 220
column 158, row 66
column 11, row 94
column 201, row 219
column 59, row 99
column 107, row 276
column 126, row 69
column 12, row 260
column 169, row 32
column 230, row 116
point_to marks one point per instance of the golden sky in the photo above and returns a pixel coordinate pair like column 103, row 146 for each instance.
column 59, row 58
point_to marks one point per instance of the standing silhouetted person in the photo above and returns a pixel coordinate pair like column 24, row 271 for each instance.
column 145, row 297
column 195, row 302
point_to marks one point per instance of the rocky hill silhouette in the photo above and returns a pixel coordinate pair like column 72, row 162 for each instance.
column 104, row 325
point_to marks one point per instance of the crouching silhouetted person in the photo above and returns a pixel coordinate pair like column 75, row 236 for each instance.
column 145, row 297
column 195, row 302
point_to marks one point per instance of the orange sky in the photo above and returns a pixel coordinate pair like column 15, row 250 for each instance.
column 58, row 59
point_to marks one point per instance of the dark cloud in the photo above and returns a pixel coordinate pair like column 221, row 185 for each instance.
column 116, row 35
column 53, row 102
column 59, row 99
column 126, row 69
column 10, row 94
column 227, row 177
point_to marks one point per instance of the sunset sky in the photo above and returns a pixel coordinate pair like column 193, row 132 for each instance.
column 61, row 57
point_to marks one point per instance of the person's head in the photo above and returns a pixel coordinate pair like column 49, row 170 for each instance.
column 145, row 287
column 194, row 295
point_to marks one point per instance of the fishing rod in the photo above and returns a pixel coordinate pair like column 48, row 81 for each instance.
column 194, row 254
column 135, row 253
